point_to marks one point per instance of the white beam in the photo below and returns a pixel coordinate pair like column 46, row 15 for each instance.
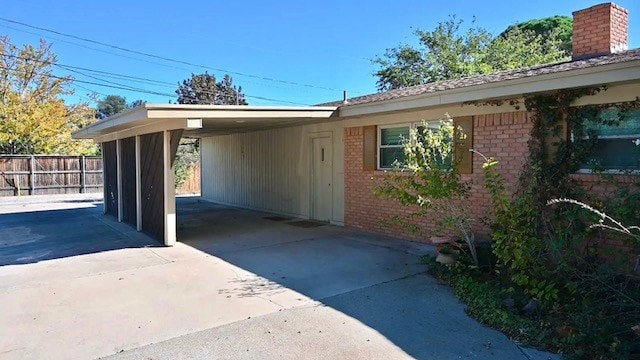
column 119, row 176
column 155, row 118
column 104, row 182
column 138, row 186
column 169, row 193
column 155, row 125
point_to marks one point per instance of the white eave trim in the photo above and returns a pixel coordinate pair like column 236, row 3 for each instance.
column 597, row 75
column 153, row 117
column 119, row 119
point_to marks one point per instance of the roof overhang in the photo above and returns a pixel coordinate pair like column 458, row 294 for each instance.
column 618, row 73
column 201, row 120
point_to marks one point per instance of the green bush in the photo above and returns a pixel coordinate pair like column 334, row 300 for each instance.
column 429, row 179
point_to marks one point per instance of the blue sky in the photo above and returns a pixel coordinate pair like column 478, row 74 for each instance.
column 312, row 52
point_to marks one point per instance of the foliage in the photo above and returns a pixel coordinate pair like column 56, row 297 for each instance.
column 110, row 105
column 558, row 255
column 520, row 48
column 583, row 327
column 448, row 53
column 33, row 117
column 136, row 103
column 430, row 180
column 515, row 245
column 605, row 221
column 558, row 28
column 483, row 299
column 113, row 104
column 188, row 156
column 205, row 89
column 202, row 89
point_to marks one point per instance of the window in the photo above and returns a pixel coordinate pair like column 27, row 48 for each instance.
column 616, row 148
column 390, row 145
column 390, row 142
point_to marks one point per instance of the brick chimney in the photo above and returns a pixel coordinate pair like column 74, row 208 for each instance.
column 600, row 30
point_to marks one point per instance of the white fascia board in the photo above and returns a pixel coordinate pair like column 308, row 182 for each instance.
column 145, row 128
column 238, row 113
column 246, row 108
column 124, row 118
column 603, row 75
column 164, row 117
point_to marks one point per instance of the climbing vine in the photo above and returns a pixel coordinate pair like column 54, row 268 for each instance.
column 551, row 253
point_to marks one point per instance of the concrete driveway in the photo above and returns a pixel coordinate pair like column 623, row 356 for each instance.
column 77, row 284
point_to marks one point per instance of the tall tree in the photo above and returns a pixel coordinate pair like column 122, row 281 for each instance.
column 34, row 118
column 205, row 89
column 136, row 103
column 202, row 89
column 113, row 104
column 110, row 105
column 558, row 28
column 449, row 53
column 520, row 48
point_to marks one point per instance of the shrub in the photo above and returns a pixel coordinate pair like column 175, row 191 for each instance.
column 429, row 179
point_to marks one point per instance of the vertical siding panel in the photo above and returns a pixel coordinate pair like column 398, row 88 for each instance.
column 273, row 174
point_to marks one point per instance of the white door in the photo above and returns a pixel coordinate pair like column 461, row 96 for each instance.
column 321, row 177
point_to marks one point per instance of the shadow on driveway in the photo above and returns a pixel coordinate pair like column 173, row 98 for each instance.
column 377, row 280
column 34, row 236
column 373, row 280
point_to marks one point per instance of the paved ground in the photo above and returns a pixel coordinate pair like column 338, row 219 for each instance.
column 76, row 284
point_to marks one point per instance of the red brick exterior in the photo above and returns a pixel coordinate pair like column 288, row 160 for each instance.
column 600, row 30
column 503, row 136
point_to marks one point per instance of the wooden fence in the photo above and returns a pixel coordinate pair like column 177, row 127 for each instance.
column 49, row 174
column 192, row 183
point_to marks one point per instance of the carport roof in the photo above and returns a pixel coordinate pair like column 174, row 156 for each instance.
column 201, row 120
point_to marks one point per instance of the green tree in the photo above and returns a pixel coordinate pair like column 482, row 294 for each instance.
column 449, row 53
column 202, row 89
column 520, row 48
column 34, row 119
column 110, row 105
column 558, row 28
column 205, row 89
column 136, row 103
column 113, row 104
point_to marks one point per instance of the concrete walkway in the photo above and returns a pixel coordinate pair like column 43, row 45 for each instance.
column 76, row 284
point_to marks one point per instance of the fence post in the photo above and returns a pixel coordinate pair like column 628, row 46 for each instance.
column 32, row 175
column 83, row 175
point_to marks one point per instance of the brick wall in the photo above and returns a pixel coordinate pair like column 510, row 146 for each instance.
column 503, row 136
column 599, row 30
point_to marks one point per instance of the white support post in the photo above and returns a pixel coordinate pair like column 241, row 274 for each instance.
column 119, row 171
column 104, row 181
column 83, row 174
column 32, row 176
column 138, row 186
column 169, row 193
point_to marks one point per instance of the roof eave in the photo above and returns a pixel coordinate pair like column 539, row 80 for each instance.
column 600, row 75
column 154, row 117
column 118, row 119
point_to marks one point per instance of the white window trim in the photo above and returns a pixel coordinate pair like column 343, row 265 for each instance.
column 379, row 146
column 379, row 142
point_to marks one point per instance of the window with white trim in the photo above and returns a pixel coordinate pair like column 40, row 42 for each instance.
column 391, row 140
column 390, row 145
column 617, row 146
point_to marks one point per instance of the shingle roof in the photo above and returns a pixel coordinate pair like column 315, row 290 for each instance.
column 625, row 56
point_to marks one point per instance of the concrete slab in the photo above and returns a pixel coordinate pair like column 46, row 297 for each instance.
column 52, row 198
column 371, row 323
column 76, row 284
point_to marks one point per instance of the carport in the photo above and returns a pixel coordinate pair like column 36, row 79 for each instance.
column 139, row 148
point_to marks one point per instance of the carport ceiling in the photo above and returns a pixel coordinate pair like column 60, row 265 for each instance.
column 202, row 120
